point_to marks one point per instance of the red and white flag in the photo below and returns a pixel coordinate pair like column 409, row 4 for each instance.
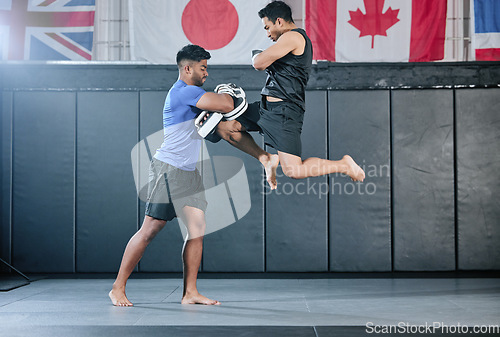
column 229, row 30
column 377, row 30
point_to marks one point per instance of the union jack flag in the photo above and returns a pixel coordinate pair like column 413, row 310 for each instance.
column 46, row 29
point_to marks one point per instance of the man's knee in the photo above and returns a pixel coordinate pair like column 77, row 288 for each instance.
column 224, row 134
column 227, row 129
column 151, row 227
column 196, row 229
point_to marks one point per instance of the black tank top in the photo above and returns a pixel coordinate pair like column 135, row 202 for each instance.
column 287, row 77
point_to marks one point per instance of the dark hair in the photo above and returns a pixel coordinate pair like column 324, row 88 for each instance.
column 276, row 9
column 192, row 52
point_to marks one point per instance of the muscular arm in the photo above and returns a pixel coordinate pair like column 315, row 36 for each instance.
column 288, row 42
column 211, row 101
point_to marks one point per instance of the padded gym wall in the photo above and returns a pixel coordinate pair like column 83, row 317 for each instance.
column 164, row 252
column 5, row 176
column 43, row 180
column 423, row 180
column 106, row 211
column 68, row 132
column 239, row 247
column 360, row 213
column 478, row 178
column 296, row 212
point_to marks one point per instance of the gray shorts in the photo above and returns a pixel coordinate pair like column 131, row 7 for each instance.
column 279, row 122
column 170, row 189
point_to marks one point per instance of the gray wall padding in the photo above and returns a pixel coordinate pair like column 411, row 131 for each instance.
column 423, row 204
column 5, row 176
column 43, row 178
column 360, row 218
column 478, row 178
column 106, row 213
column 239, row 247
column 74, row 204
column 296, row 212
column 164, row 252
column 324, row 75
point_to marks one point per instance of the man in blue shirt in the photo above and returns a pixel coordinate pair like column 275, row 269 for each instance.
column 175, row 185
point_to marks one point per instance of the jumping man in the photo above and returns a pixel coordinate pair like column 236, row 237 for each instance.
column 280, row 113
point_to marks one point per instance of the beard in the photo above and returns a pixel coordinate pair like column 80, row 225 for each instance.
column 199, row 81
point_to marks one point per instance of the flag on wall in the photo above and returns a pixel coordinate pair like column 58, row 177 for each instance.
column 486, row 25
column 229, row 30
column 377, row 30
column 46, row 29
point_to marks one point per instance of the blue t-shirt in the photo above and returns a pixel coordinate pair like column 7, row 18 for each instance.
column 181, row 142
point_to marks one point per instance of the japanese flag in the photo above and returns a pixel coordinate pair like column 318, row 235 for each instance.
column 377, row 30
column 229, row 30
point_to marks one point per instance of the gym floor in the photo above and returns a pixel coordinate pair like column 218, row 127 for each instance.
column 59, row 305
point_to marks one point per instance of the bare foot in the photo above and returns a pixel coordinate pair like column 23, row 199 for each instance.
column 198, row 299
column 118, row 297
column 353, row 170
column 270, row 165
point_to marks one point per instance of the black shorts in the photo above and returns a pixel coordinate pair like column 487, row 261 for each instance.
column 279, row 122
column 170, row 189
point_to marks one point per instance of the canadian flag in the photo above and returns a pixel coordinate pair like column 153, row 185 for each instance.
column 229, row 30
column 377, row 30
